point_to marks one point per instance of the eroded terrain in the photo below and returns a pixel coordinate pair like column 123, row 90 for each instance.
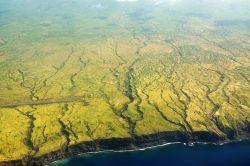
column 120, row 74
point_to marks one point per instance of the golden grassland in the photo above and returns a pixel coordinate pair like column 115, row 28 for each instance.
column 60, row 87
column 136, row 86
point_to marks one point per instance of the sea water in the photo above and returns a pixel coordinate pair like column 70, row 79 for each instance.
column 230, row 154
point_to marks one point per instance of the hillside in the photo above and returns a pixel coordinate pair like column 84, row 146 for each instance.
column 127, row 74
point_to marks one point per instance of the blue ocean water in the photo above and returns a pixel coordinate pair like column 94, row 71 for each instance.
column 231, row 154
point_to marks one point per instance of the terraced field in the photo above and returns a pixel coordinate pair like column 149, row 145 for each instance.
column 91, row 72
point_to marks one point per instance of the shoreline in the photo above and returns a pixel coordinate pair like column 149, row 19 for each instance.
column 126, row 144
column 156, row 146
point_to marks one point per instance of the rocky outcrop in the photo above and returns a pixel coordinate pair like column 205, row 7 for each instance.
column 118, row 144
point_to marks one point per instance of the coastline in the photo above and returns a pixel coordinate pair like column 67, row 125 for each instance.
column 127, row 144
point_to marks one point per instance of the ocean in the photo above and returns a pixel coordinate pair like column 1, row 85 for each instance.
column 229, row 154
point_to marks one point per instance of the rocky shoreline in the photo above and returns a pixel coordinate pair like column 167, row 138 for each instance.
column 117, row 144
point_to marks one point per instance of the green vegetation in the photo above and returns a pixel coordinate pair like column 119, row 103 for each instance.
column 82, row 71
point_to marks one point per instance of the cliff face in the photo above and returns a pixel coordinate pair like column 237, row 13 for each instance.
column 124, row 144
